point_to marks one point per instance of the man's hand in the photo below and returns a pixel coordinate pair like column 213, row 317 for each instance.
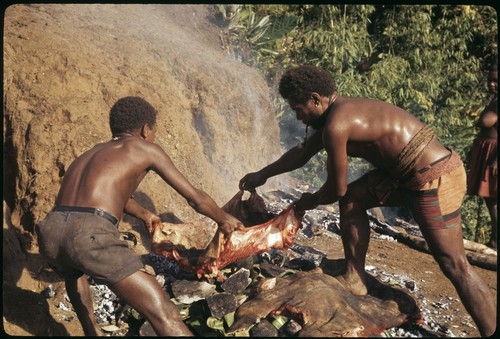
column 152, row 221
column 229, row 225
column 252, row 180
column 307, row 201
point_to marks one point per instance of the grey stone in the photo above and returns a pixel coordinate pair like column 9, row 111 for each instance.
column 146, row 330
column 291, row 328
column 264, row 329
column 238, row 282
column 306, row 253
column 222, row 304
column 187, row 292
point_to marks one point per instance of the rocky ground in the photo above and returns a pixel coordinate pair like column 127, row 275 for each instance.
column 64, row 67
column 390, row 261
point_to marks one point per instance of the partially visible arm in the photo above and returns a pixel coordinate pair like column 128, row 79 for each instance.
column 136, row 210
column 294, row 158
column 200, row 201
column 335, row 186
column 494, row 165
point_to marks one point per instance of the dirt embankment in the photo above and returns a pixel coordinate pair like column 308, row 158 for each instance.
column 66, row 65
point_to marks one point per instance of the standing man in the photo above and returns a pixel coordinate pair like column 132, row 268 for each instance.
column 80, row 235
column 482, row 179
column 411, row 166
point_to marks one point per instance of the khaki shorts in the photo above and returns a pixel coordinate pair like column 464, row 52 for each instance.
column 77, row 243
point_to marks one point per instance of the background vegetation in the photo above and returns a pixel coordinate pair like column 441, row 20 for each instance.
column 428, row 59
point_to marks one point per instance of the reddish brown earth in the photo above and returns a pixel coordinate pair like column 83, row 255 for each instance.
column 56, row 96
column 26, row 312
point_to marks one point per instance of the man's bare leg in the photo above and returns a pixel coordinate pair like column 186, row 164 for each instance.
column 355, row 233
column 355, row 228
column 447, row 248
column 80, row 296
column 144, row 294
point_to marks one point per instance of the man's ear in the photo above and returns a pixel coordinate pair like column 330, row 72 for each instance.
column 316, row 98
column 145, row 130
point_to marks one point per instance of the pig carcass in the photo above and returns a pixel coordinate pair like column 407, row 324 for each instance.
column 324, row 307
column 198, row 246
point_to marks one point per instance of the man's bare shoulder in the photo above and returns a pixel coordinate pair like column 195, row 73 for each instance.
column 130, row 148
column 366, row 120
column 349, row 112
column 139, row 143
column 354, row 105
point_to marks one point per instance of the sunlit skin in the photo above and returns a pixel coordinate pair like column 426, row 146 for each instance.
column 488, row 121
column 488, row 129
column 377, row 132
column 101, row 173
column 105, row 177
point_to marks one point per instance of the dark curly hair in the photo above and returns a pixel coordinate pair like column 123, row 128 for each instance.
column 299, row 82
column 130, row 113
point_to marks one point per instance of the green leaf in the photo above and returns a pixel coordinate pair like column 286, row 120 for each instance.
column 229, row 318
column 278, row 321
column 216, row 324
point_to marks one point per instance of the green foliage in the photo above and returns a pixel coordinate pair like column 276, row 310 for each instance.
column 476, row 220
column 427, row 59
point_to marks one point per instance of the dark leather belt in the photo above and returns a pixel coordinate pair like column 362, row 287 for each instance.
column 95, row 211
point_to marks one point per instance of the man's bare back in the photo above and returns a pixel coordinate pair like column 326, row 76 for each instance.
column 377, row 132
column 412, row 168
column 79, row 237
column 108, row 174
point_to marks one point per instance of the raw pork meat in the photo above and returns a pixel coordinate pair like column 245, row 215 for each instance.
column 198, row 246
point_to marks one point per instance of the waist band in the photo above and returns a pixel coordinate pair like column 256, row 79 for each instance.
column 433, row 171
column 410, row 154
column 96, row 211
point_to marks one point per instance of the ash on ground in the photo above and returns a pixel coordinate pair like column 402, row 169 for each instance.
column 117, row 319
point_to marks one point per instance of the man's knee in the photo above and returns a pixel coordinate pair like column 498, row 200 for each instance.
column 454, row 268
column 353, row 201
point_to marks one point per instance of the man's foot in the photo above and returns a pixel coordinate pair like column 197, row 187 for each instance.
column 354, row 284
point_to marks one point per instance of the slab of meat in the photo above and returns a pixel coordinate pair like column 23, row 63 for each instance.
column 250, row 212
column 277, row 233
column 323, row 306
column 198, row 246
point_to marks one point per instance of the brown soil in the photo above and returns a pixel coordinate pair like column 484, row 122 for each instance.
column 400, row 260
column 26, row 312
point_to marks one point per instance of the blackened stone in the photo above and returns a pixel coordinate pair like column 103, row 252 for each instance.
column 291, row 328
column 49, row 292
column 300, row 264
column 187, row 292
column 264, row 329
column 247, row 263
column 306, row 253
column 270, row 270
column 410, row 285
column 222, row 304
column 238, row 282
